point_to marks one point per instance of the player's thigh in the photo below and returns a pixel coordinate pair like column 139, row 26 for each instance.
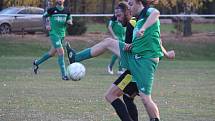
column 113, row 46
column 113, row 93
column 113, row 90
column 56, row 41
column 60, row 51
column 52, row 51
column 124, row 83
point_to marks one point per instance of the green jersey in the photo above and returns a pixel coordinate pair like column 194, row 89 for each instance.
column 147, row 46
column 118, row 29
column 58, row 17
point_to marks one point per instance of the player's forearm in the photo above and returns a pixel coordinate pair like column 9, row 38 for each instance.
column 164, row 51
column 47, row 22
column 153, row 17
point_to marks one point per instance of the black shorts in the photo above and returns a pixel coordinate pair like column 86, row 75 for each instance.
column 124, row 82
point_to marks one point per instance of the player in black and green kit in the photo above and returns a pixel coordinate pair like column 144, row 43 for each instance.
column 140, row 57
column 118, row 32
column 58, row 18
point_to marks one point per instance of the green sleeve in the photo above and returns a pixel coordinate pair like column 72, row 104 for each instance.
column 46, row 14
column 69, row 17
column 110, row 23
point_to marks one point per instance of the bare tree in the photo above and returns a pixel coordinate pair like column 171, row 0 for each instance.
column 187, row 21
column 113, row 5
column 104, row 6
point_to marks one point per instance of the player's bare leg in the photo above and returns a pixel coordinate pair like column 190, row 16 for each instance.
column 98, row 49
column 112, row 96
column 150, row 106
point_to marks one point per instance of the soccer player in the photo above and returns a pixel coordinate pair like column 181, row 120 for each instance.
column 124, row 85
column 58, row 17
column 118, row 32
column 141, row 57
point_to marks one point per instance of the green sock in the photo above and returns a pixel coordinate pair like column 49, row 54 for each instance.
column 119, row 66
column 61, row 63
column 113, row 60
column 83, row 55
column 45, row 57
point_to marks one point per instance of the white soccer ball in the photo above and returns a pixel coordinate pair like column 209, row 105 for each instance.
column 76, row 71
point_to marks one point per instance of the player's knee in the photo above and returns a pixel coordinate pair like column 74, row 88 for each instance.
column 60, row 52
column 146, row 99
column 107, row 98
column 110, row 97
column 108, row 41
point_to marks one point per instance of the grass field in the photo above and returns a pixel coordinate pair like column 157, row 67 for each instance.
column 196, row 28
column 184, row 89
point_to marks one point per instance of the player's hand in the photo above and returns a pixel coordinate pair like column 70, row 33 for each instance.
column 48, row 27
column 128, row 47
column 69, row 22
column 171, row 54
column 140, row 33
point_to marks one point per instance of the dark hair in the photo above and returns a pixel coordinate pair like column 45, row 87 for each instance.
column 123, row 6
column 145, row 2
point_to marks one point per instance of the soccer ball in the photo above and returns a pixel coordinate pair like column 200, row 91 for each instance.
column 76, row 71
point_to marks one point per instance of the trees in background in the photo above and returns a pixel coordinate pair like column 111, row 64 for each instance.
column 107, row 6
column 186, row 7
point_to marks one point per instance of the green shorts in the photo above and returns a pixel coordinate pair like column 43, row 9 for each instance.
column 142, row 69
column 56, row 40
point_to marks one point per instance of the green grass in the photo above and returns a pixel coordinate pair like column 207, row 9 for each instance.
column 95, row 27
column 196, row 28
column 184, row 89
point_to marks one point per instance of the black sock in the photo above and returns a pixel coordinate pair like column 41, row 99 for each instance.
column 131, row 107
column 121, row 110
column 154, row 119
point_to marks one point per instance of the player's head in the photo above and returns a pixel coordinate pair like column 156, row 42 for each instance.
column 148, row 2
column 60, row 2
column 122, row 13
column 136, row 5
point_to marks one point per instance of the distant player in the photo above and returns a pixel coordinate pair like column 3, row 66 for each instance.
column 58, row 18
column 118, row 32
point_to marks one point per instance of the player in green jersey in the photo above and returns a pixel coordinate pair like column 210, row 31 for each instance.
column 134, row 57
column 118, row 32
column 58, row 17
column 145, row 53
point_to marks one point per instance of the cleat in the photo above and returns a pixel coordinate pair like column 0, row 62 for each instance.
column 110, row 70
column 35, row 67
column 65, row 78
column 70, row 53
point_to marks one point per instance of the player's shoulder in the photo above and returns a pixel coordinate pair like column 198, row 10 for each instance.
column 151, row 9
column 51, row 10
column 113, row 18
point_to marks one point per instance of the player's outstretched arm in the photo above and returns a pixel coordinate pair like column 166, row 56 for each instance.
column 153, row 17
column 169, row 54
